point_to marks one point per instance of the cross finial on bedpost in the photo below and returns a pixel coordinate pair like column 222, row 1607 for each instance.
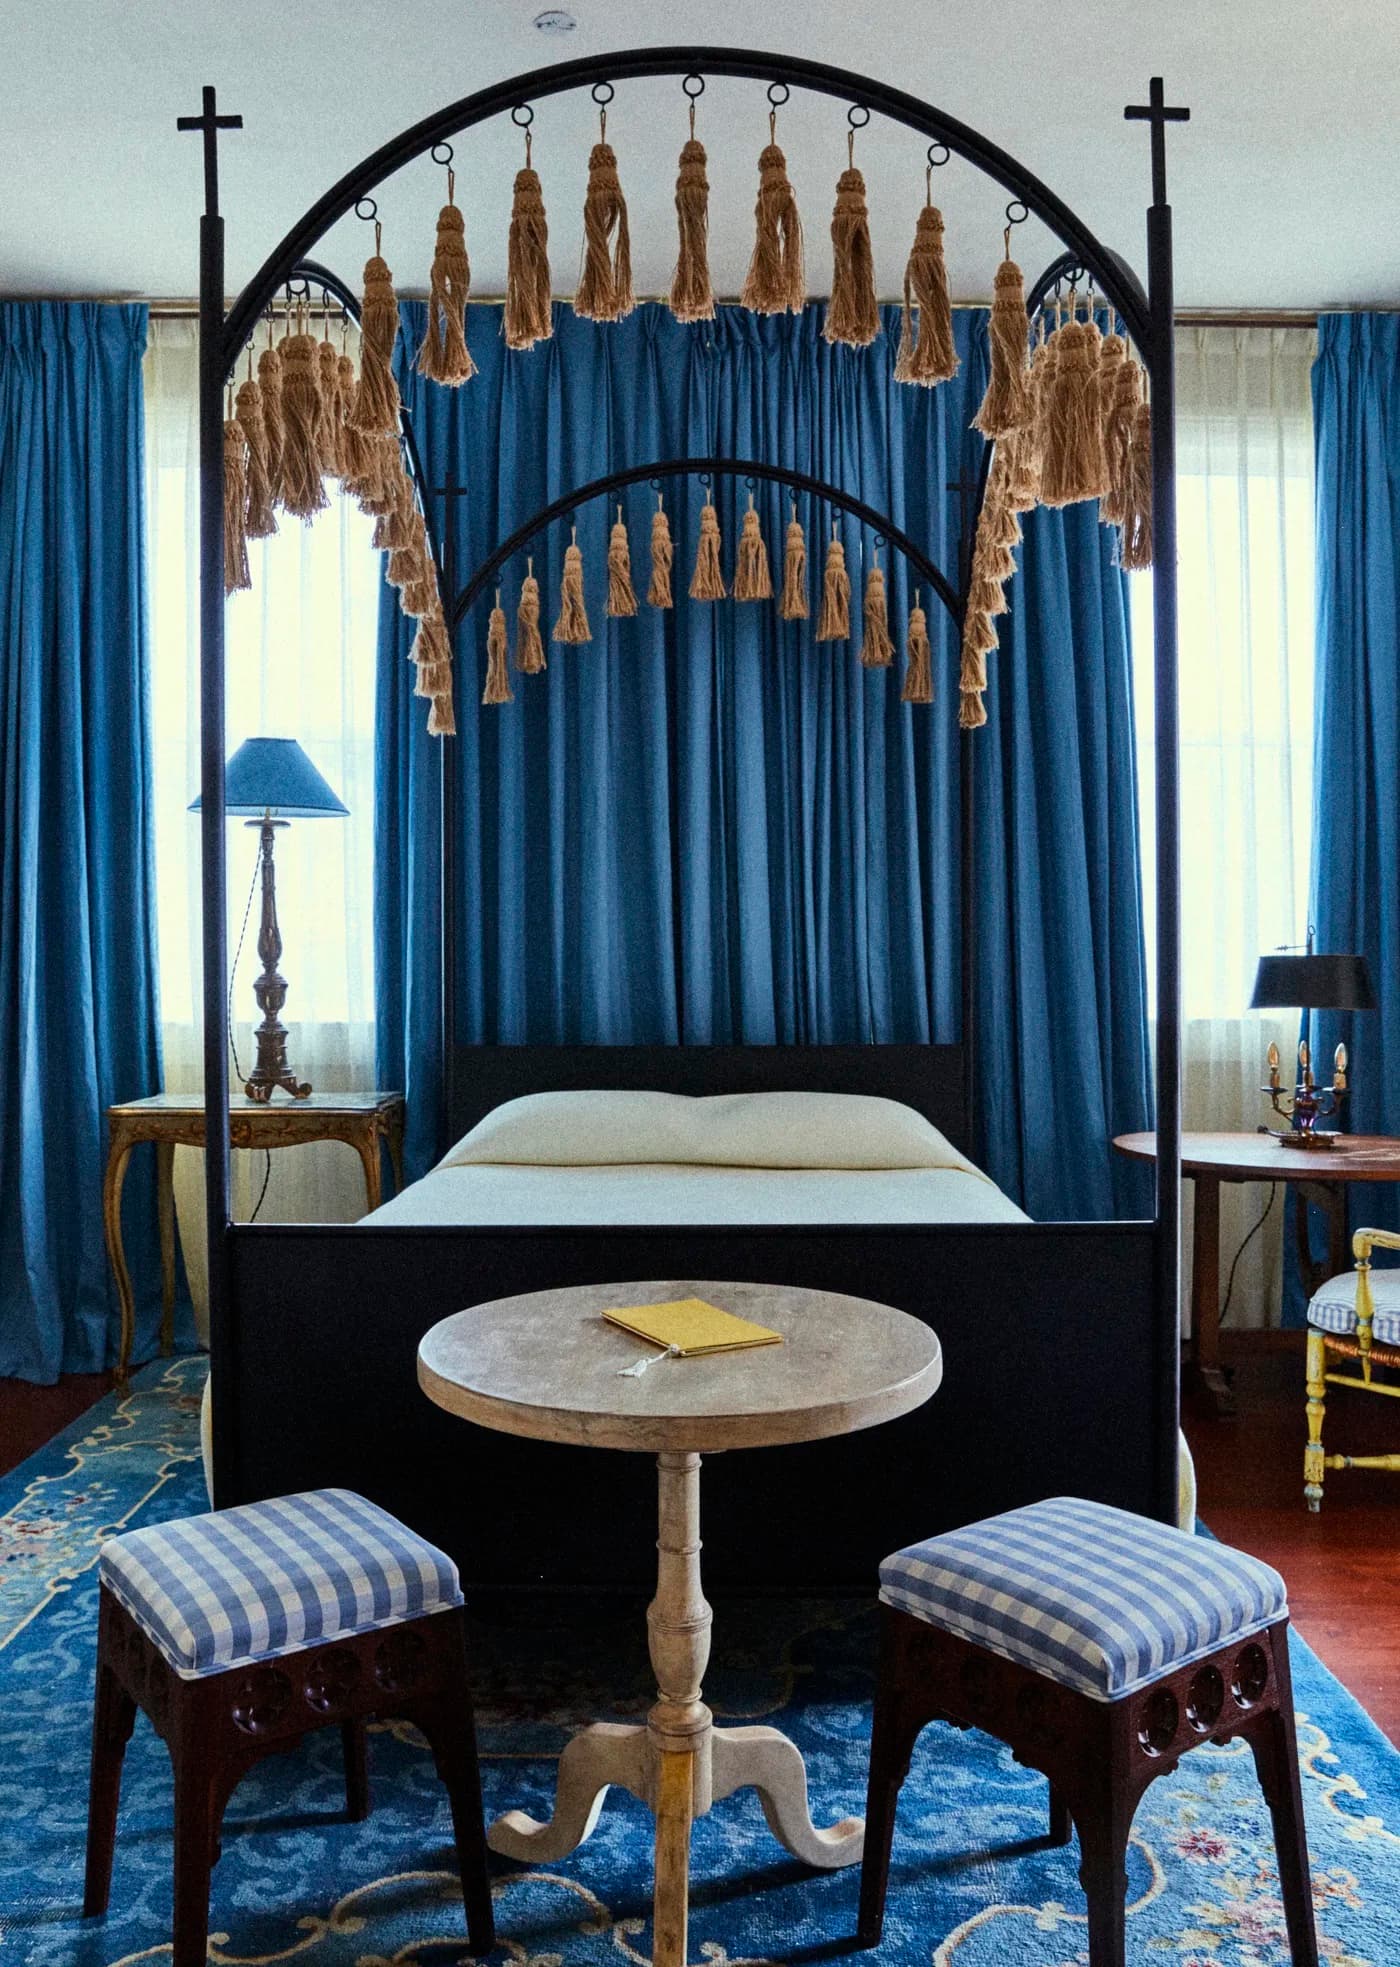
column 209, row 122
column 1156, row 112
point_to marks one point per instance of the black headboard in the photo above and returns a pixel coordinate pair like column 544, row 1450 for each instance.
column 927, row 1077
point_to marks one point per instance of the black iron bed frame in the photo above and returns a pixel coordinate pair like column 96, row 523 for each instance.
column 1060, row 1339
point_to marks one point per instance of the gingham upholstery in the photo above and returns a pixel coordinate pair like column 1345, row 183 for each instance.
column 1333, row 1308
column 1089, row 1596
column 267, row 1579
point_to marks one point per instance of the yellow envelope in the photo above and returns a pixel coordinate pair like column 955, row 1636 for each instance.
column 689, row 1326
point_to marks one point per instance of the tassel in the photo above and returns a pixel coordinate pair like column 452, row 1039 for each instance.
column 876, row 649
column 1022, row 468
column 1071, row 465
column 1112, row 356
column 972, row 712
column 572, row 625
column 707, row 582
column 1007, row 403
column 918, row 670
column 303, row 494
column 793, row 607
column 236, row 573
column 622, row 598
column 270, row 383
column 405, row 566
column 529, row 649
column 328, row 425
column 834, row 621
column 421, row 597
column 442, row 720
column 352, row 441
column 377, row 398
column 753, row 579
column 776, row 282
column 605, row 285
column 663, row 554
column 260, row 519
column 527, row 310
column 432, row 652
column 978, row 640
column 852, row 313
column 692, row 298
column 930, row 356
column 1135, row 545
column 444, row 356
column 498, row 688
column 1047, row 359
column 1117, row 415
column 985, row 597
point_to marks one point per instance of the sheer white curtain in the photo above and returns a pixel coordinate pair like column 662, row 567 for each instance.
column 301, row 659
column 1245, row 496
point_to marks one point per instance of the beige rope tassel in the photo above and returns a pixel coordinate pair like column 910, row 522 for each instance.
column 303, row 494
column 527, row 309
column 663, row 555
column 834, row 621
column 605, row 284
column 270, row 384
column 377, row 398
column 529, row 647
column 753, row 578
column 1117, row 414
column 776, row 282
column 442, row 719
column 692, row 297
column 1135, row 544
column 328, row 425
column 876, row 649
column 421, row 597
column 852, row 313
column 236, row 573
column 794, row 606
column 1007, row 403
column 622, row 597
column 444, row 356
column 498, row 688
column 707, row 582
column 352, row 441
column 1112, row 355
column 572, row 625
column 928, row 356
column 260, row 521
column 918, row 669
column 1071, row 464
column 432, row 652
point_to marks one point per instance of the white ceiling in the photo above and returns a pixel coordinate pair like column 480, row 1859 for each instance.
column 1284, row 182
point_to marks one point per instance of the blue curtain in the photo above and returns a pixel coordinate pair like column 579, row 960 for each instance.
column 705, row 826
column 77, row 916
column 1356, row 808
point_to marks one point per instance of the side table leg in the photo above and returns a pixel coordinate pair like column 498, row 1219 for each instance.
column 165, row 1211
column 1205, row 1297
column 118, row 1155
column 367, row 1147
column 394, row 1135
column 679, row 1725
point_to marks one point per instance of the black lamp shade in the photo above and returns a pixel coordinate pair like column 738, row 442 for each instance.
column 274, row 775
column 1313, row 983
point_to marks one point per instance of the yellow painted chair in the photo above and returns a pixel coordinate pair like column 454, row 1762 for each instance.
column 1356, row 1318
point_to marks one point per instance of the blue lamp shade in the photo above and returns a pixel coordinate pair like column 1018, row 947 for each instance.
column 274, row 775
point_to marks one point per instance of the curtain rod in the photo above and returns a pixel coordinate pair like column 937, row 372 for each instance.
column 165, row 308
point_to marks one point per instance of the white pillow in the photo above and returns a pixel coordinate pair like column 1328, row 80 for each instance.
column 731, row 1130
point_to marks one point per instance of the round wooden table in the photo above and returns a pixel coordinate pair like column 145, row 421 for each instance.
column 1318, row 1174
column 548, row 1366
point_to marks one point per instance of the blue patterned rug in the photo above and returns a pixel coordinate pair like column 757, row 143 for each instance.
column 972, row 1886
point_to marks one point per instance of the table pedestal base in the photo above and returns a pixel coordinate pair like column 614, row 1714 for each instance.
column 678, row 1764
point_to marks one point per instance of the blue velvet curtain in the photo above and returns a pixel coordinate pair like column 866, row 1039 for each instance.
column 705, row 826
column 1356, row 812
column 77, row 916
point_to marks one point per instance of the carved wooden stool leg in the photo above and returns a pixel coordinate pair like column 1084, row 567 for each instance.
column 196, row 1831
column 1273, row 1738
column 1061, row 1823
column 892, row 1741
column 1103, row 1822
column 352, row 1737
column 449, row 1724
column 114, row 1715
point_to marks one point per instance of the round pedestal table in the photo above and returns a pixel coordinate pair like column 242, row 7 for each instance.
column 549, row 1366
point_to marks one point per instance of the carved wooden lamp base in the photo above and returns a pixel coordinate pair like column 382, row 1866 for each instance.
column 271, row 1069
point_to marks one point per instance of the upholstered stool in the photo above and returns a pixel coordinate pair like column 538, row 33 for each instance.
column 239, row 1632
column 1100, row 1647
column 1353, row 1318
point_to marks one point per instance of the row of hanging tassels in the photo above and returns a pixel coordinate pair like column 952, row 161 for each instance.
column 306, row 417
column 753, row 581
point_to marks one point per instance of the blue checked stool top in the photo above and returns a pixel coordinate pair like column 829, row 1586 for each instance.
column 1090, row 1597
column 272, row 1578
column 1333, row 1308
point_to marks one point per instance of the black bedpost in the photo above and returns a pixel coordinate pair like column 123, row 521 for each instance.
column 1161, row 368
column 211, row 771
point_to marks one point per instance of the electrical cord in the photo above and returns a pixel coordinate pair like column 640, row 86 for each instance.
column 1230, row 1285
column 232, row 1041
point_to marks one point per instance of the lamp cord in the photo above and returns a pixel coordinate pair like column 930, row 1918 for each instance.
column 1264, row 1217
column 232, row 1041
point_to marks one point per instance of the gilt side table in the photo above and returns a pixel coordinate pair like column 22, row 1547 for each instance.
column 547, row 1365
column 171, row 1120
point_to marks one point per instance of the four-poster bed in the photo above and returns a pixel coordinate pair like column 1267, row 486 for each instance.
column 1060, row 1339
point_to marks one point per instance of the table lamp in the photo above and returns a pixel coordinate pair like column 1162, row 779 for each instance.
column 272, row 781
column 1310, row 982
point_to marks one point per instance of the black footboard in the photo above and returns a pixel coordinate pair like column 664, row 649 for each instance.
column 1057, row 1380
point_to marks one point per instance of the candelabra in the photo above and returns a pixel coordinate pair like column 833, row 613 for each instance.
column 1305, row 1105
column 1310, row 982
